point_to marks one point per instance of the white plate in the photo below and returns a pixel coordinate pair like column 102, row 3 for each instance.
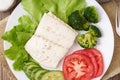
column 105, row 43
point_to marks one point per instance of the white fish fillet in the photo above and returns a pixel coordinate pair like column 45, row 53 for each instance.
column 56, row 30
column 45, row 52
column 51, row 41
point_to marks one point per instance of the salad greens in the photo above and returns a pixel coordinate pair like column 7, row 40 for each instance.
column 18, row 36
column 61, row 8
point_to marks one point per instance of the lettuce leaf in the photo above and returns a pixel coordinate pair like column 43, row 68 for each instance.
column 18, row 36
column 21, row 59
column 61, row 8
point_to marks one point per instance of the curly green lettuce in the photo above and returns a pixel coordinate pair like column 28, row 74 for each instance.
column 18, row 36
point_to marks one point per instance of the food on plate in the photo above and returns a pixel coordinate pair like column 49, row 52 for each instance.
column 51, row 41
column 91, row 14
column 83, row 64
column 77, row 21
column 36, row 72
column 89, row 39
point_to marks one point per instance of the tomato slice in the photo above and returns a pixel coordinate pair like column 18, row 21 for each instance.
column 91, row 56
column 99, row 59
column 77, row 67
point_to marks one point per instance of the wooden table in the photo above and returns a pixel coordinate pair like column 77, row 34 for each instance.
column 105, row 6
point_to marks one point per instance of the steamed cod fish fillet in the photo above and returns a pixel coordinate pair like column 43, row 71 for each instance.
column 51, row 41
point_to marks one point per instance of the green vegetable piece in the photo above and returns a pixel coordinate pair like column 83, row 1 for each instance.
column 32, row 74
column 95, row 31
column 12, row 53
column 31, row 68
column 87, row 40
column 39, row 74
column 53, row 75
column 19, row 62
column 28, row 70
column 77, row 21
column 10, row 36
column 26, row 24
column 91, row 14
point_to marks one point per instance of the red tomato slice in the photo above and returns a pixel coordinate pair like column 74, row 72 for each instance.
column 92, row 57
column 99, row 59
column 77, row 67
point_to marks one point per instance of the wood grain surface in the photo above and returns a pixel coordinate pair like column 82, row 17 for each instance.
column 109, row 7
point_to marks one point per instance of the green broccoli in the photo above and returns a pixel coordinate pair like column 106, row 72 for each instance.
column 87, row 40
column 77, row 21
column 91, row 14
column 95, row 31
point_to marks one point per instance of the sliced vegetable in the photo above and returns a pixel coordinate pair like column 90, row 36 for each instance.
column 39, row 74
column 53, row 75
column 83, row 64
column 33, row 70
column 91, row 14
column 33, row 73
column 78, row 67
column 77, row 21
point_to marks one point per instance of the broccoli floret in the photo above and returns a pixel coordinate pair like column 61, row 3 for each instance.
column 95, row 31
column 87, row 40
column 77, row 21
column 91, row 14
